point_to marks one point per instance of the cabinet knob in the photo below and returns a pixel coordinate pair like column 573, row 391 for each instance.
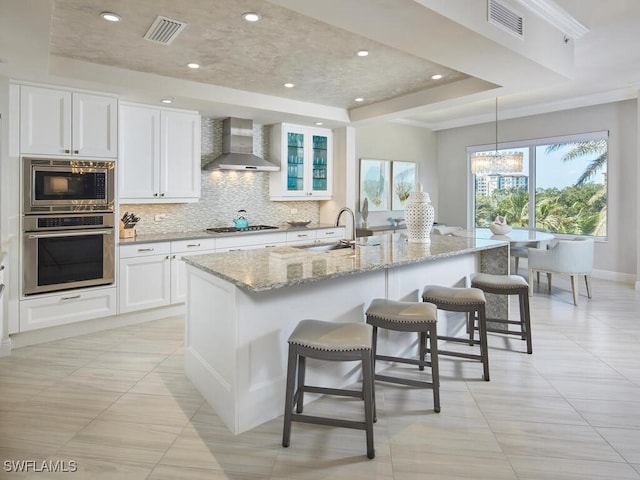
column 76, row 151
column 167, row 257
column 162, row 194
column 67, row 151
column 173, row 256
column 155, row 194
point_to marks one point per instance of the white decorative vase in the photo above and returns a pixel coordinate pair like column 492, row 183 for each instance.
column 419, row 215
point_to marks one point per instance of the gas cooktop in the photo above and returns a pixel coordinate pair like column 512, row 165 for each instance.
column 251, row 228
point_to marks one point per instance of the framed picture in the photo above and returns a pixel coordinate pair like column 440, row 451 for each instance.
column 375, row 178
column 403, row 182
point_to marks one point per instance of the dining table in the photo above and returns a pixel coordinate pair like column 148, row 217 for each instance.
column 516, row 236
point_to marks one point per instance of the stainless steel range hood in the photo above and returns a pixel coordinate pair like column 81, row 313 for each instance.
column 237, row 149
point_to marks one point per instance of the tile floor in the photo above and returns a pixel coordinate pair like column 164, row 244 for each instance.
column 118, row 404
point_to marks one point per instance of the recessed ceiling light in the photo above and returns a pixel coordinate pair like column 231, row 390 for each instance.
column 437, row 76
column 193, row 65
column 111, row 17
column 167, row 100
column 318, row 124
column 289, row 85
column 362, row 53
column 359, row 99
column 251, row 17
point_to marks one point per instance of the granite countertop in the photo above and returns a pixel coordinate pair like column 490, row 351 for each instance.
column 268, row 269
column 167, row 237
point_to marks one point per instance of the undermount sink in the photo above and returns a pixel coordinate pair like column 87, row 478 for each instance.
column 325, row 247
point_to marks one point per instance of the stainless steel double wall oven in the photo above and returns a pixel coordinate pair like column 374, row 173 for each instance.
column 68, row 224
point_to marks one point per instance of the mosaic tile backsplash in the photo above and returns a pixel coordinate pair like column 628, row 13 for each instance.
column 223, row 193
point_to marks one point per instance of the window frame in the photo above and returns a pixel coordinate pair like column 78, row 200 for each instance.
column 531, row 145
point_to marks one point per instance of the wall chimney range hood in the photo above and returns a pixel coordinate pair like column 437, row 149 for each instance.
column 237, row 149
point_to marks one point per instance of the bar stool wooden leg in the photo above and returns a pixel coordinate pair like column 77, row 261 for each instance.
column 435, row 368
column 482, row 333
column 369, row 406
column 471, row 327
column 525, row 316
column 302, row 370
column 288, row 401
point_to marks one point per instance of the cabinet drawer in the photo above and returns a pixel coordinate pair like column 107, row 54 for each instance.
column 236, row 241
column 337, row 232
column 197, row 245
column 145, row 249
column 72, row 306
column 301, row 236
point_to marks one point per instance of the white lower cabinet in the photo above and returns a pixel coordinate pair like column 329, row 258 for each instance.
column 144, row 278
column 71, row 306
column 179, row 250
column 154, row 275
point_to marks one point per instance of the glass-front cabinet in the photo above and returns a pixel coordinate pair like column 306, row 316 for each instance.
column 304, row 156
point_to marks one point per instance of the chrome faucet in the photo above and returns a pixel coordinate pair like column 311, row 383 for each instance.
column 351, row 242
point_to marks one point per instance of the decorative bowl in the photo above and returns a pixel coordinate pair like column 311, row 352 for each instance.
column 302, row 223
column 497, row 229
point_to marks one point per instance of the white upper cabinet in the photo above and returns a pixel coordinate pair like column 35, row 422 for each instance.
column 61, row 122
column 179, row 154
column 159, row 155
column 305, row 156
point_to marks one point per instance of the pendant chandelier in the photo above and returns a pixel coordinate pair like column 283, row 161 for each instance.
column 489, row 163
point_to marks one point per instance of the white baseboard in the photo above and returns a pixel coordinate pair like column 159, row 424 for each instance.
column 50, row 334
column 5, row 347
column 627, row 278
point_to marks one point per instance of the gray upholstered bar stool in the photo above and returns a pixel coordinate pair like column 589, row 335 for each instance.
column 421, row 318
column 470, row 301
column 337, row 342
column 508, row 285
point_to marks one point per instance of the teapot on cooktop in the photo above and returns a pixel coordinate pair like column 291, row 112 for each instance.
column 241, row 221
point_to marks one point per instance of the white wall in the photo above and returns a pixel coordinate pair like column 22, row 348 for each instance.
column 393, row 141
column 618, row 254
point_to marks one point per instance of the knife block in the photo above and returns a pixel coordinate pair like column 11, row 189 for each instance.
column 126, row 232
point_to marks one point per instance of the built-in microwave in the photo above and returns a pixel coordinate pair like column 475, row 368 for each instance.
column 67, row 185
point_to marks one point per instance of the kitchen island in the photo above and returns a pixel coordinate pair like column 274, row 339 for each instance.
column 242, row 306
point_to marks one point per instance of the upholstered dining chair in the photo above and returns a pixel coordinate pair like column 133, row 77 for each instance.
column 522, row 251
column 568, row 257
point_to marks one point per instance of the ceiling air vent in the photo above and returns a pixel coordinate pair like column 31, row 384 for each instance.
column 505, row 17
column 164, row 30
